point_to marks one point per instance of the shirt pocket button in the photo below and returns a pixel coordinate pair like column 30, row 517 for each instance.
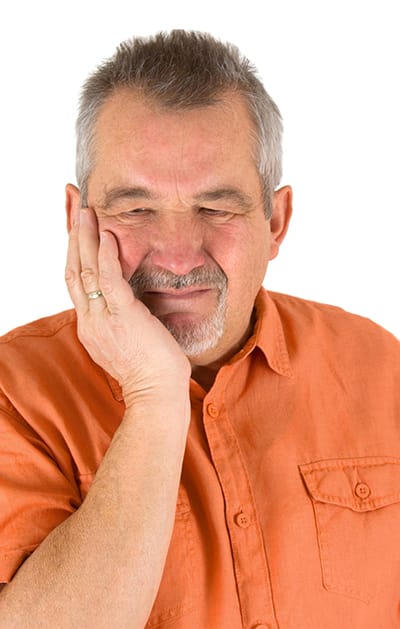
column 362, row 491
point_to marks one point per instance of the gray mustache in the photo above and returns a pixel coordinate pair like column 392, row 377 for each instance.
column 143, row 281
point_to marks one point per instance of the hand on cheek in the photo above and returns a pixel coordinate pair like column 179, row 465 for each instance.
column 116, row 329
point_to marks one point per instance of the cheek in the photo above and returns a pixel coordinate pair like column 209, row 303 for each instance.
column 132, row 246
column 247, row 277
column 244, row 257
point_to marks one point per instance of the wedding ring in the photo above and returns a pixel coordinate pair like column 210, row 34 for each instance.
column 94, row 294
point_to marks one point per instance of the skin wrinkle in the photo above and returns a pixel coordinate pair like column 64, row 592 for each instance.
column 136, row 193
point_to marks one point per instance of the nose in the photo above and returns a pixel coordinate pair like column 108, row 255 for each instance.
column 178, row 247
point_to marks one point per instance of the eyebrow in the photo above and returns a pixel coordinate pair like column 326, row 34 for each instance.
column 133, row 193
column 229, row 193
column 217, row 194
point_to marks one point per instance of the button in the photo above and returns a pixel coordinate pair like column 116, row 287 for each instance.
column 362, row 490
column 242, row 520
column 212, row 410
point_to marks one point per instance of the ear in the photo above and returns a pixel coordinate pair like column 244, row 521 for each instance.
column 280, row 218
column 72, row 204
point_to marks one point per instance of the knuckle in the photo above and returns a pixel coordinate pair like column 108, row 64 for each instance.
column 88, row 276
column 70, row 276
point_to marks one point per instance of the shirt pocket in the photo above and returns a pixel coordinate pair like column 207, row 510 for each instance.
column 176, row 596
column 357, row 513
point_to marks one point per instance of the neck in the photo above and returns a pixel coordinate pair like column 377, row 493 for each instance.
column 205, row 375
column 205, row 372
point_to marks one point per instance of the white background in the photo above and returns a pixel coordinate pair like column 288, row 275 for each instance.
column 333, row 69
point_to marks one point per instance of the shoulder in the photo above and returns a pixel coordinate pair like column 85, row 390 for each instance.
column 43, row 362
column 310, row 324
column 311, row 314
column 39, row 341
column 41, row 328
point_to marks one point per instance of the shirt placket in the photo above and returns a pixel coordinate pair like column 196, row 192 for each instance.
column 248, row 553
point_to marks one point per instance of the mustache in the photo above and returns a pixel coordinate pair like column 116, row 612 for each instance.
column 151, row 280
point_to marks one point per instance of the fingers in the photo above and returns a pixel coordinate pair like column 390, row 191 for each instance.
column 73, row 271
column 116, row 290
column 82, row 274
column 89, row 250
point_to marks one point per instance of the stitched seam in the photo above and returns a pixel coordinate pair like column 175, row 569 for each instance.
column 349, row 465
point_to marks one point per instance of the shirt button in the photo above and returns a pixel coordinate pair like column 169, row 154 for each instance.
column 242, row 520
column 212, row 410
column 362, row 490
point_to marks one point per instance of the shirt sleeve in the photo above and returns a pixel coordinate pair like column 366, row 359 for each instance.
column 36, row 494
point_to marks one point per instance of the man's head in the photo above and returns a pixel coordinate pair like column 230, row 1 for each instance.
column 170, row 163
column 181, row 71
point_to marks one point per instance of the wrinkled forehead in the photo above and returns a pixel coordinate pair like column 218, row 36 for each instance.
column 140, row 143
column 132, row 115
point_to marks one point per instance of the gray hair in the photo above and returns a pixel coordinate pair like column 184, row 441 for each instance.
column 182, row 70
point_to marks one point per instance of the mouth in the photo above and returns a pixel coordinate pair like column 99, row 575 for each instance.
column 189, row 301
column 178, row 293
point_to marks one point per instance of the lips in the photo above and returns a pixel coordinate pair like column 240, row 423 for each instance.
column 182, row 293
column 186, row 300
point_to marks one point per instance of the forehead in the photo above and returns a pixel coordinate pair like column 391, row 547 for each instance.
column 128, row 117
column 137, row 140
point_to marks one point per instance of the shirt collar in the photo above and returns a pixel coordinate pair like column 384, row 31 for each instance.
column 268, row 336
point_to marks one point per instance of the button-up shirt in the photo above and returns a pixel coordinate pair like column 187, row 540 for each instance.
column 288, row 514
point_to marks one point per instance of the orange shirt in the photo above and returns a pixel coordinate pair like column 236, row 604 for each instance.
column 289, row 507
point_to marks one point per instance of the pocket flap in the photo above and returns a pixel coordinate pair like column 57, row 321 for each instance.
column 361, row 484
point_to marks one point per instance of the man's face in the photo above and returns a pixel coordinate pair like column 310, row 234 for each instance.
column 181, row 193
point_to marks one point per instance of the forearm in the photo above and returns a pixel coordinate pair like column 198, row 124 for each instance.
column 103, row 565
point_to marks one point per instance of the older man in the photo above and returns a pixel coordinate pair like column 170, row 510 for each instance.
column 184, row 449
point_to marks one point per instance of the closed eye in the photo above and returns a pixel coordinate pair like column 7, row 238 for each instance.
column 137, row 210
column 215, row 213
column 135, row 214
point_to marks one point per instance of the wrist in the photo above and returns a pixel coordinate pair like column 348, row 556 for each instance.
column 169, row 389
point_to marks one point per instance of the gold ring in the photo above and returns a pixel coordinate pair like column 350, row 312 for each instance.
column 94, row 294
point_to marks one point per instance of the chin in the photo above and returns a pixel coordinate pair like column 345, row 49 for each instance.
column 197, row 338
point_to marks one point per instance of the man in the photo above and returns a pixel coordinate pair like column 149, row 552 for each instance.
column 184, row 449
